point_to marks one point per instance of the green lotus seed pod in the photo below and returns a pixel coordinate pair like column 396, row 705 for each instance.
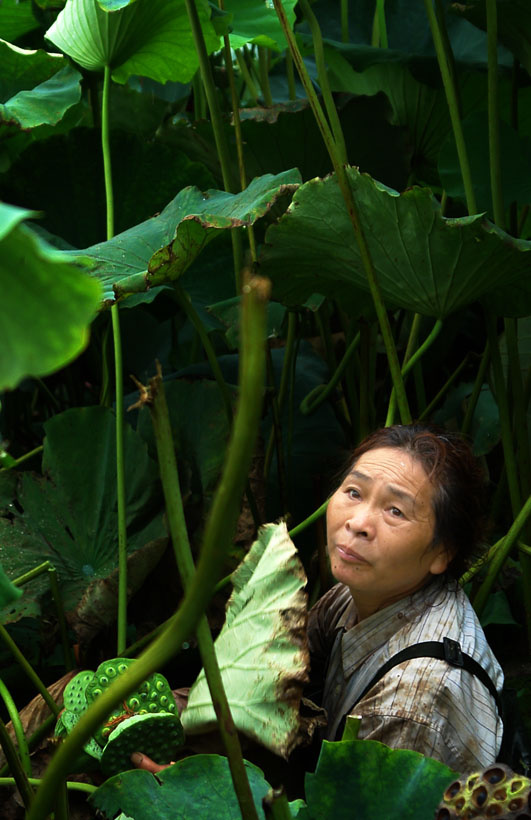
column 159, row 736
column 111, row 671
column 104, row 680
column 492, row 792
column 133, row 703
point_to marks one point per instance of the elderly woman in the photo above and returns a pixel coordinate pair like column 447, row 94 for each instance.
column 402, row 526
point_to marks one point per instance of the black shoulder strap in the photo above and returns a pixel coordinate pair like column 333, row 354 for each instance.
column 445, row 650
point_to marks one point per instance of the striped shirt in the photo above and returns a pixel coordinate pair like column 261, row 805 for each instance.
column 423, row 704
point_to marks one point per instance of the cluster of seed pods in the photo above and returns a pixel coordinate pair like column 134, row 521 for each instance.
column 492, row 792
column 147, row 720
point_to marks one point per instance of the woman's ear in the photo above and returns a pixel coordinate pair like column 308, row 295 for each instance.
column 441, row 557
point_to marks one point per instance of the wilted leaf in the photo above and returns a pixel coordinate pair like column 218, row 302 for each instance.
column 47, row 306
column 151, row 38
column 423, row 261
column 199, row 786
column 261, row 650
column 69, row 517
column 397, row 784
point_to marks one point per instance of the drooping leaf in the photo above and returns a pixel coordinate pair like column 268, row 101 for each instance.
column 397, row 784
column 198, row 786
column 48, row 303
column 160, row 249
column 69, row 517
column 151, row 38
column 424, row 262
column 261, row 650
column 256, row 22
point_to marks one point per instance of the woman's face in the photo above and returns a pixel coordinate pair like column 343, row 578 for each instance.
column 380, row 525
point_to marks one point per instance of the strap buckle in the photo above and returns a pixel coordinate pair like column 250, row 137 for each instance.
column 452, row 652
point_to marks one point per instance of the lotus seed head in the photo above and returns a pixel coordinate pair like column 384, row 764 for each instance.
column 160, row 685
column 97, row 691
column 171, row 707
column 111, row 671
column 143, row 695
column 153, row 707
column 104, row 680
column 134, row 703
column 122, row 667
column 163, row 700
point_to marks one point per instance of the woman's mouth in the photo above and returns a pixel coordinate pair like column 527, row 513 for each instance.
column 350, row 556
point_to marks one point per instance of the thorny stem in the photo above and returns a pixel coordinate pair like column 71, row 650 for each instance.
column 183, row 556
column 216, row 542
column 346, row 191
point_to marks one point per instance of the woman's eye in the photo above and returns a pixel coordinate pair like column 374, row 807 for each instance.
column 395, row 512
column 352, row 493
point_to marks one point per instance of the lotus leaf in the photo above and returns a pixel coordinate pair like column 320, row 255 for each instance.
column 198, row 786
column 256, row 22
column 514, row 24
column 48, row 303
column 397, row 784
column 151, row 38
column 261, row 650
column 16, row 19
column 160, row 249
column 423, row 261
column 69, row 516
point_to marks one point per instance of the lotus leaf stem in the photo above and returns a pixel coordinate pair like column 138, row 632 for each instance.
column 321, row 392
column 381, row 24
column 246, row 74
column 310, row 520
column 494, row 115
column 426, row 413
column 275, row 805
column 12, row 711
column 31, row 674
column 31, row 574
column 21, row 459
column 502, row 400
column 217, row 541
column 15, row 766
column 287, row 369
column 480, row 563
column 500, row 556
column 410, row 362
column 263, row 69
column 519, row 408
column 345, row 36
column 290, row 76
column 73, row 785
column 476, row 392
column 445, row 59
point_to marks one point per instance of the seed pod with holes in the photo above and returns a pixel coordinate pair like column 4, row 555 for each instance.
column 492, row 792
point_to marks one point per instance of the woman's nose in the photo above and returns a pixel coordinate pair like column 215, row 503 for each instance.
column 361, row 521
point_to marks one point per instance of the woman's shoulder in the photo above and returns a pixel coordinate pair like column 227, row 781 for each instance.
column 335, row 608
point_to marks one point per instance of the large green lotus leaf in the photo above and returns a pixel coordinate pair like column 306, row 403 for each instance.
column 257, row 22
column 46, row 104
column 397, row 784
column 25, row 68
column 68, row 516
column 514, row 24
column 160, row 249
column 423, row 261
column 151, row 38
column 193, row 788
column 260, row 650
column 16, row 19
column 48, row 303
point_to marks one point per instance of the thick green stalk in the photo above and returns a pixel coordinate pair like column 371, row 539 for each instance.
column 246, row 74
column 494, row 115
column 119, row 394
column 324, row 84
column 73, row 785
column 476, row 392
column 217, row 541
column 445, row 59
column 345, row 36
column 290, row 75
column 505, row 416
column 15, row 766
column 382, row 26
column 310, row 520
column 35, row 738
column 220, row 136
column 263, row 71
column 34, row 678
column 500, row 557
column 185, row 563
column 409, row 364
column 200, row 106
column 318, row 395
column 12, row 711
column 287, row 367
column 344, row 185
column 21, row 459
column 277, row 433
